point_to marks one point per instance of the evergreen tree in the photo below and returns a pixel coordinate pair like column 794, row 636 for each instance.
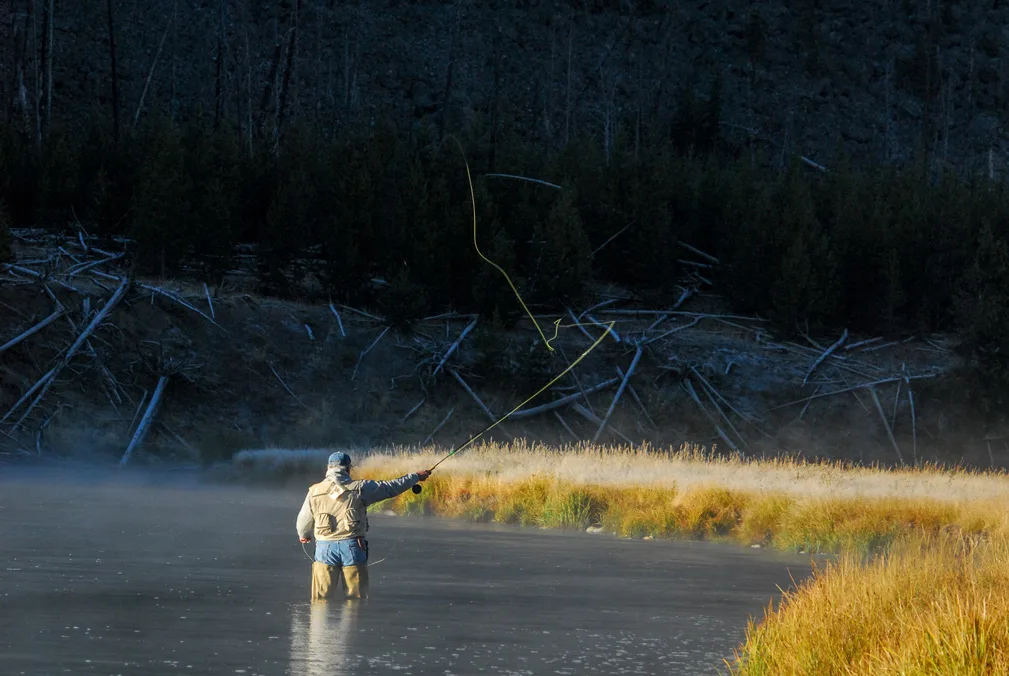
column 983, row 314
column 563, row 263
column 161, row 209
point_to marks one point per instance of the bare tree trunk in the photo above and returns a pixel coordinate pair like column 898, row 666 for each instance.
column 271, row 78
column 292, row 47
column 888, row 133
column 496, row 105
column 248, row 85
column 20, row 49
column 115, row 75
column 319, row 77
column 219, row 70
column 447, row 97
column 37, row 82
column 567, row 89
column 154, row 65
column 47, row 68
column 549, row 86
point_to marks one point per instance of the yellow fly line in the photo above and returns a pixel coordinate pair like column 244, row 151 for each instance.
column 540, row 391
column 546, row 341
column 472, row 201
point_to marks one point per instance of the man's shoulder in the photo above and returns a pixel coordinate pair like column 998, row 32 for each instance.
column 320, row 488
column 326, row 486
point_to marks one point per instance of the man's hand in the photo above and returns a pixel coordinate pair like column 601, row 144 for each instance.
column 305, row 541
column 424, row 473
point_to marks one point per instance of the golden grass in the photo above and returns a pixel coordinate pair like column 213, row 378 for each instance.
column 785, row 503
column 921, row 585
column 928, row 606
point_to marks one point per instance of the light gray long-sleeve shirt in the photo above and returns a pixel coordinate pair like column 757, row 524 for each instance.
column 371, row 492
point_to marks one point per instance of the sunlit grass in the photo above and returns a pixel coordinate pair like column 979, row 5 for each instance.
column 921, row 585
column 930, row 605
column 784, row 502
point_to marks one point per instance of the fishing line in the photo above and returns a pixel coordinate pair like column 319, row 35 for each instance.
column 546, row 341
column 540, row 391
column 472, row 201
column 370, row 563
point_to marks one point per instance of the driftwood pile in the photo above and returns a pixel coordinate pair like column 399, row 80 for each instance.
column 86, row 284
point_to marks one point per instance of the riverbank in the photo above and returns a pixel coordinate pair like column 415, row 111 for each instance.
column 919, row 584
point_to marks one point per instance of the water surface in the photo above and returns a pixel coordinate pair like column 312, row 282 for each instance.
column 137, row 574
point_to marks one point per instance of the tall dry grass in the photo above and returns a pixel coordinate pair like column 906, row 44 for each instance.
column 921, row 585
column 785, row 503
column 928, row 606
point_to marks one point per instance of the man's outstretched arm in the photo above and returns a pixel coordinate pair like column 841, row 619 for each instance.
column 377, row 491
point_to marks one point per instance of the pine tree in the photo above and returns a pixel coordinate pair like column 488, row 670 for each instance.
column 983, row 316
column 161, row 203
column 562, row 254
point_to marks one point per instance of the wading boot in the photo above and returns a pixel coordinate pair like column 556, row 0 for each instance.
column 356, row 580
column 325, row 580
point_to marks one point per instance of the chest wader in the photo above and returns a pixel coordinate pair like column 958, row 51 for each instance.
column 340, row 515
column 326, row 580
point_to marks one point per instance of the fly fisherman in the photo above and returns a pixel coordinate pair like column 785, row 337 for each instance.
column 336, row 512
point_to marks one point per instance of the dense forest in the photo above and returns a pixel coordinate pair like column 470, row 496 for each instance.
column 374, row 209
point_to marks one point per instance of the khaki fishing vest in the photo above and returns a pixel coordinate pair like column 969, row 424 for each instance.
column 338, row 510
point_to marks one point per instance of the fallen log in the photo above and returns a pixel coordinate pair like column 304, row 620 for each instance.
column 604, row 303
column 367, row 350
column 862, row 343
column 620, row 391
column 76, row 345
column 473, row 395
column 33, row 330
column 689, row 387
column 829, row 351
column 564, row 424
column 339, row 321
column 852, row 389
column 563, row 401
column 886, row 424
column 613, row 332
column 167, row 294
column 637, row 399
column 288, row 389
column 579, row 326
column 593, row 418
column 695, row 322
column 413, row 410
column 718, row 408
column 84, row 267
column 210, row 303
column 705, row 256
column 914, row 424
column 454, row 346
column 42, row 381
column 145, row 422
column 438, row 428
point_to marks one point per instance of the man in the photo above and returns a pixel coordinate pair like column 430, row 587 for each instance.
column 336, row 512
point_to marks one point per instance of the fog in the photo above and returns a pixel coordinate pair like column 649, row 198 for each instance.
column 135, row 572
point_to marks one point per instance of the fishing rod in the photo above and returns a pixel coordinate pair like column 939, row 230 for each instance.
column 469, row 442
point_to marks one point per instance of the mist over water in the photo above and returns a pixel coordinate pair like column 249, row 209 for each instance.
column 123, row 573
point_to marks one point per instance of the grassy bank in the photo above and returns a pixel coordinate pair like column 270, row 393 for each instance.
column 787, row 504
column 921, row 585
column 784, row 503
column 929, row 606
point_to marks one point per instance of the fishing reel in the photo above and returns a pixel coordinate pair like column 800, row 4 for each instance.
column 416, row 488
